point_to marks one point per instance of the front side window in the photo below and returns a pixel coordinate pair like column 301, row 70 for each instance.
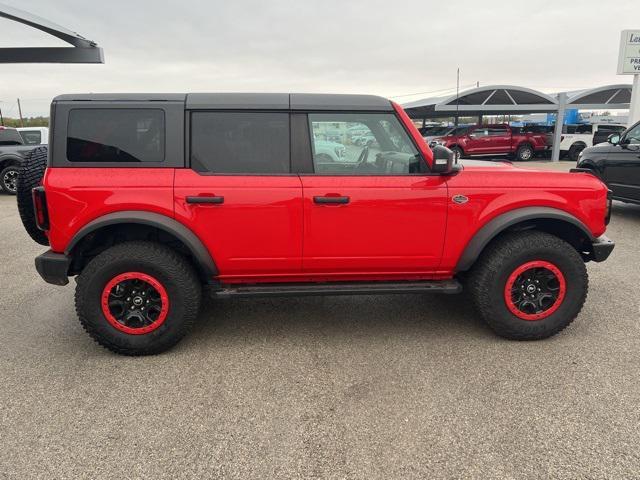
column 633, row 135
column 102, row 135
column 362, row 144
column 240, row 142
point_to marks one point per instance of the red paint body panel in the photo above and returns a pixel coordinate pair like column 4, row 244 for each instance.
column 76, row 196
column 391, row 224
column 500, row 188
column 269, row 229
column 258, row 228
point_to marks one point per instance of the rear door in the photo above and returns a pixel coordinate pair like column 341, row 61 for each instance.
column 376, row 213
column 499, row 139
column 239, row 195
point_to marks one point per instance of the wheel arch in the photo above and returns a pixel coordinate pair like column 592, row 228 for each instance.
column 551, row 220
column 9, row 160
column 578, row 143
column 119, row 227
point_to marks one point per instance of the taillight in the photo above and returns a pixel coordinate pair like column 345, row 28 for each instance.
column 607, row 214
column 40, row 208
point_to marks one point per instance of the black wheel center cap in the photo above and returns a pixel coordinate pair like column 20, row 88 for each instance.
column 531, row 288
column 137, row 301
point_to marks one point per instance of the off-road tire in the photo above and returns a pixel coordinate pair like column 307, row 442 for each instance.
column 30, row 177
column 170, row 269
column 10, row 169
column 525, row 153
column 489, row 276
column 457, row 153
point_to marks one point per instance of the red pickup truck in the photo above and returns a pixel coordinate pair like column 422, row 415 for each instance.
column 494, row 140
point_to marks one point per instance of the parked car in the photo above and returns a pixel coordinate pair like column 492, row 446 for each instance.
column 327, row 151
column 446, row 132
column 617, row 163
column 233, row 200
column 437, row 132
column 34, row 135
column 12, row 153
column 492, row 140
column 576, row 138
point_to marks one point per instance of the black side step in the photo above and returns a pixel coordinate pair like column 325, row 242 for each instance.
column 338, row 288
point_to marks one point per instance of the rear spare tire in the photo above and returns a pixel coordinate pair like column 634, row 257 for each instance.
column 30, row 177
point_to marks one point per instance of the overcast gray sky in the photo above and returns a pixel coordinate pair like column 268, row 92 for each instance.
column 387, row 47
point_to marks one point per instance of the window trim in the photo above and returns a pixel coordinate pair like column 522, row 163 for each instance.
column 99, row 164
column 173, row 134
column 189, row 140
column 426, row 173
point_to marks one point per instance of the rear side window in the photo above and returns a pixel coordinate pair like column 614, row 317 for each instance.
column 240, row 142
column 31, row 137
column 103, row 135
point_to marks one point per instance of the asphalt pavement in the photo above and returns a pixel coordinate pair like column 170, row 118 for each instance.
column 406, row 386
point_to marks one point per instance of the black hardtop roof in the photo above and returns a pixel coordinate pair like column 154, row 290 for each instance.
column 248, row 101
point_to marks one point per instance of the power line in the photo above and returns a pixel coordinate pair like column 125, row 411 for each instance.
column 432, row 91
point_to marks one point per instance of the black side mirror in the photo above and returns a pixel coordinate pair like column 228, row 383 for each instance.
column 614, row 139
column 443, row 160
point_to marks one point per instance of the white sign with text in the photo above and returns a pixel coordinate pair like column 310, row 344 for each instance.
column 629, row 59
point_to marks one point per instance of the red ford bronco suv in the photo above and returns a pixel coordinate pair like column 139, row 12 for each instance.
column 148, row 198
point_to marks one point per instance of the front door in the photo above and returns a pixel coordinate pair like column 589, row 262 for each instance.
column 239, row 196
column 375, row 212
column 622, row 172
column 478, row 141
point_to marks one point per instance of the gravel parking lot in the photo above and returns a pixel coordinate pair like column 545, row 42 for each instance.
column 340, row 387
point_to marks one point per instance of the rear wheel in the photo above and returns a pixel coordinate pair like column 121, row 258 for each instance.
column 9, row 179
column 529, row 285
column 524, row 153
column 138, row 298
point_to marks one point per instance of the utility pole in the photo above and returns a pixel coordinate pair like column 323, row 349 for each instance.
column 20, row 113
column 1, row 117
column 457, row 96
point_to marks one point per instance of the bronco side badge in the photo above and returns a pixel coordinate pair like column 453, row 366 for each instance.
column 460, row 199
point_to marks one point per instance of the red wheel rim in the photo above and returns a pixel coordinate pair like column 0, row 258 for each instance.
column 535, row 290
column 135, row 303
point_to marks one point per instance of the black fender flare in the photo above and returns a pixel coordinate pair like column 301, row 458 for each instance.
column 502, row 222
column 10, row 159
column 156, row 220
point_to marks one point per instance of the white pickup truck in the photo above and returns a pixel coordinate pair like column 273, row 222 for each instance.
column 576, row 138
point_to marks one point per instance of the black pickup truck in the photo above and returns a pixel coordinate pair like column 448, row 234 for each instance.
column 13, row 151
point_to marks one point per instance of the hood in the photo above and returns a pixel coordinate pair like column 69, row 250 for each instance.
column 599, row 148
column 484, row 164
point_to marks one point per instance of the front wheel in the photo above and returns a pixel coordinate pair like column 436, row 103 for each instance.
column 529, row 285
column 457, row 153
column 138, row 298
column 574, row 152
column 9, row 179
